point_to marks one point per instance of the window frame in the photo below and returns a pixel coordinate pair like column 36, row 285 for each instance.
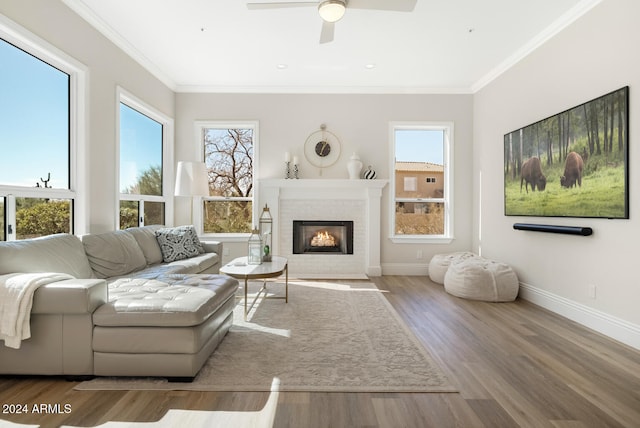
column 447, row 199
column 133, row 102
column 198, row 202
column 77, row 192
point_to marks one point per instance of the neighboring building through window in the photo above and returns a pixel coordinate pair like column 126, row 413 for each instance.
column 143, row 146
column 421, row 166
column 41, row 137
column 230, row 153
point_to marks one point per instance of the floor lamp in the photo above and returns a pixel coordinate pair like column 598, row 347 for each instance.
column 191, row 180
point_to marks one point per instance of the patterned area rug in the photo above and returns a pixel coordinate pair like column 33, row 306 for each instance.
column 330, row 337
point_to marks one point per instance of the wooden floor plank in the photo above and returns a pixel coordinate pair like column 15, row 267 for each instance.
column 514, row 364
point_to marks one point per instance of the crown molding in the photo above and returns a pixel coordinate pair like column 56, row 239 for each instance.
column 106, row 30
column 556, row 27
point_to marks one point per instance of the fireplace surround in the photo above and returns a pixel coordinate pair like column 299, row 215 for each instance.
column 358, row 201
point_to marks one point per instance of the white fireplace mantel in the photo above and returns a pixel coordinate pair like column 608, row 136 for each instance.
column 325, row 197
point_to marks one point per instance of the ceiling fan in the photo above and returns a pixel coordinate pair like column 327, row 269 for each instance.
column 332, row 11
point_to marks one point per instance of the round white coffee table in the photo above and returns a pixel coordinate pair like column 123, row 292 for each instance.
column 239, row 268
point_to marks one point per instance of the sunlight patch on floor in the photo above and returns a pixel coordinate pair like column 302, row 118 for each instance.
column 210, row 419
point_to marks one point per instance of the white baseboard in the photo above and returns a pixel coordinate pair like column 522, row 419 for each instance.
column 410, row 269
column 616, row 328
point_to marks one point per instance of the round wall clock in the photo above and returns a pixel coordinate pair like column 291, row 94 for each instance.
column 322, row 148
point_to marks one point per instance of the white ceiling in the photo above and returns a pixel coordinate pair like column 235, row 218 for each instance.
column 442, row 46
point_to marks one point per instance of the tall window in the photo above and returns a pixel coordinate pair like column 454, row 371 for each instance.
column 41, row 130
column 142, row 158
column 229, row 154
column 422, row 184
column 2, row 215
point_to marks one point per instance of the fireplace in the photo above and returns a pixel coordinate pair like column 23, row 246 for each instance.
column 322, row 237
column 327, row 199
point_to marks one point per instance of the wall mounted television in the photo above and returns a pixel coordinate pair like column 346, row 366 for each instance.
column 572, row 164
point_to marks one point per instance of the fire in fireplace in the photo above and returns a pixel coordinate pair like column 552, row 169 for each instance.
column 320, row 236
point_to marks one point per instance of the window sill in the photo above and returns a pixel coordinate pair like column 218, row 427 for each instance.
column 421, row 239
column 225, row 237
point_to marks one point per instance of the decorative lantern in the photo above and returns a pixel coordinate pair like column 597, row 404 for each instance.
column 254, row 256
column 266, row 222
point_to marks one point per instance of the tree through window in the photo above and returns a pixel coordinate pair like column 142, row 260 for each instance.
column 229, row 156
column 143, row 146
column 36, row 191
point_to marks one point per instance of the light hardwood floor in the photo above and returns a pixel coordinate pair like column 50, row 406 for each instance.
column 514, row 364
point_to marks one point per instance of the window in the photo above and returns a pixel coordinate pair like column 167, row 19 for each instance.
column 410, row 184
column 230, row 153
column 41, row 137
column 143, row 150
column 421, row 208
column 2, row 221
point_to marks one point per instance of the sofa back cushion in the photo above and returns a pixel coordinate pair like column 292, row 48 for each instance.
column 146, row 238
column 113, row 253
column 61, row 253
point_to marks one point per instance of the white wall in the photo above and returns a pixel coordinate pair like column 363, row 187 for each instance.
column 108, row 67
column 362, row 124
column 595, row 55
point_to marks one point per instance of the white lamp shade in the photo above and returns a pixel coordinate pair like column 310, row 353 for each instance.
column 331, row 10
column 192, row 179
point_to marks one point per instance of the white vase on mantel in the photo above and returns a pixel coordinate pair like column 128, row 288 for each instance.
column 354, row 166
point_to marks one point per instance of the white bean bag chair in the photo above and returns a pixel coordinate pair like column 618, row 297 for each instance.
column 440, row 263
column 481, row 279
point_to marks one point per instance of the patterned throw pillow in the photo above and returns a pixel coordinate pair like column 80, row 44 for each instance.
column 178, row 243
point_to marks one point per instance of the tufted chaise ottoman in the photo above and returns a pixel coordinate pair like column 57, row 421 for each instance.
column 167, row 326
column 439, row 264
column 478, row 278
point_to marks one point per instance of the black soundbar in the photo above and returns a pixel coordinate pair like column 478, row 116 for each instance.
column 568, row 230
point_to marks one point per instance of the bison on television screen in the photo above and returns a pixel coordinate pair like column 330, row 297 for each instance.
column 531, row 174
column 572, row 171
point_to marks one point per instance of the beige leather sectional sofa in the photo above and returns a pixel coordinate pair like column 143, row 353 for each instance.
column 124, row 311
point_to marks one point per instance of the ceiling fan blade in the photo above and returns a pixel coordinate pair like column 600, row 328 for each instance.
column 395, row 5
column 326, row 34
column 278, row 4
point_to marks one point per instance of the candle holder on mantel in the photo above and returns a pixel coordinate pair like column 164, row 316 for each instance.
column 287, row 174
column 287, row 163
column 295, row 167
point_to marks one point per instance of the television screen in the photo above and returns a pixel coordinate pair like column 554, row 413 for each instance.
column 572, row 164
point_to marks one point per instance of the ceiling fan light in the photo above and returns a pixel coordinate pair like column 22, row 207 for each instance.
column 332, row 10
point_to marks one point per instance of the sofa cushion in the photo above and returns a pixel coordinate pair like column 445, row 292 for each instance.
column 62, row 253
column 146, row 238
column 178, row 243
column 150, row 302
column 150, row 272
column 156, row 340
column 198, row 264
column 113, row 253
